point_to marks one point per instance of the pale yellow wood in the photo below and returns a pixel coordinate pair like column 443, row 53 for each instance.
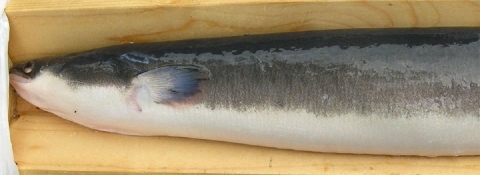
column 12, row 104
column 52, row 27
column 46, row 144
column 11, row 98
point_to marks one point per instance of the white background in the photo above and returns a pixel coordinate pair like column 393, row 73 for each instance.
column 7, row 165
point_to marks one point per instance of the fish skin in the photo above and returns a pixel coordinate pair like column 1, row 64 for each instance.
column 367, row 92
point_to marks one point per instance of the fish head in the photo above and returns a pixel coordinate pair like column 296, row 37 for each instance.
column 25, row 72
column 24, row 78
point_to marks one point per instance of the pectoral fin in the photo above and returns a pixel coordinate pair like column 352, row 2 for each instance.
column 173, row 84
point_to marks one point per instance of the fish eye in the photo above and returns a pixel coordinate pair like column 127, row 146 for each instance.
column 28, row 67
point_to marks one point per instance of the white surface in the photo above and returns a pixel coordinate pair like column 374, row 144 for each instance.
column 7, row 165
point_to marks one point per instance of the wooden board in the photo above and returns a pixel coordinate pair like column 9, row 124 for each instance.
column 12, row 99
column 51, row 27
column 46, row 144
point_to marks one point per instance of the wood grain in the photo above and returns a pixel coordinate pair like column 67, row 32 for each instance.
column 46, row 144
column 52, row 27
column 12, row 104
column 12, row 99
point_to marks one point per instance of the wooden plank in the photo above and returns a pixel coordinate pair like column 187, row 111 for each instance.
column 12, row 104
column 12, row 99
column 51, row 27
column 46, row 144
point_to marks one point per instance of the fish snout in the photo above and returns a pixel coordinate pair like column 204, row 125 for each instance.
column 15, row 78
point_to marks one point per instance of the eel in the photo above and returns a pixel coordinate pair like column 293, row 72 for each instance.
column 375, row 91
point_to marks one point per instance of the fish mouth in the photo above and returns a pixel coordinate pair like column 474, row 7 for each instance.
column 14, row 78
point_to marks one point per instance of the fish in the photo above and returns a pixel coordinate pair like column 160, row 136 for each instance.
column 375, row 91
